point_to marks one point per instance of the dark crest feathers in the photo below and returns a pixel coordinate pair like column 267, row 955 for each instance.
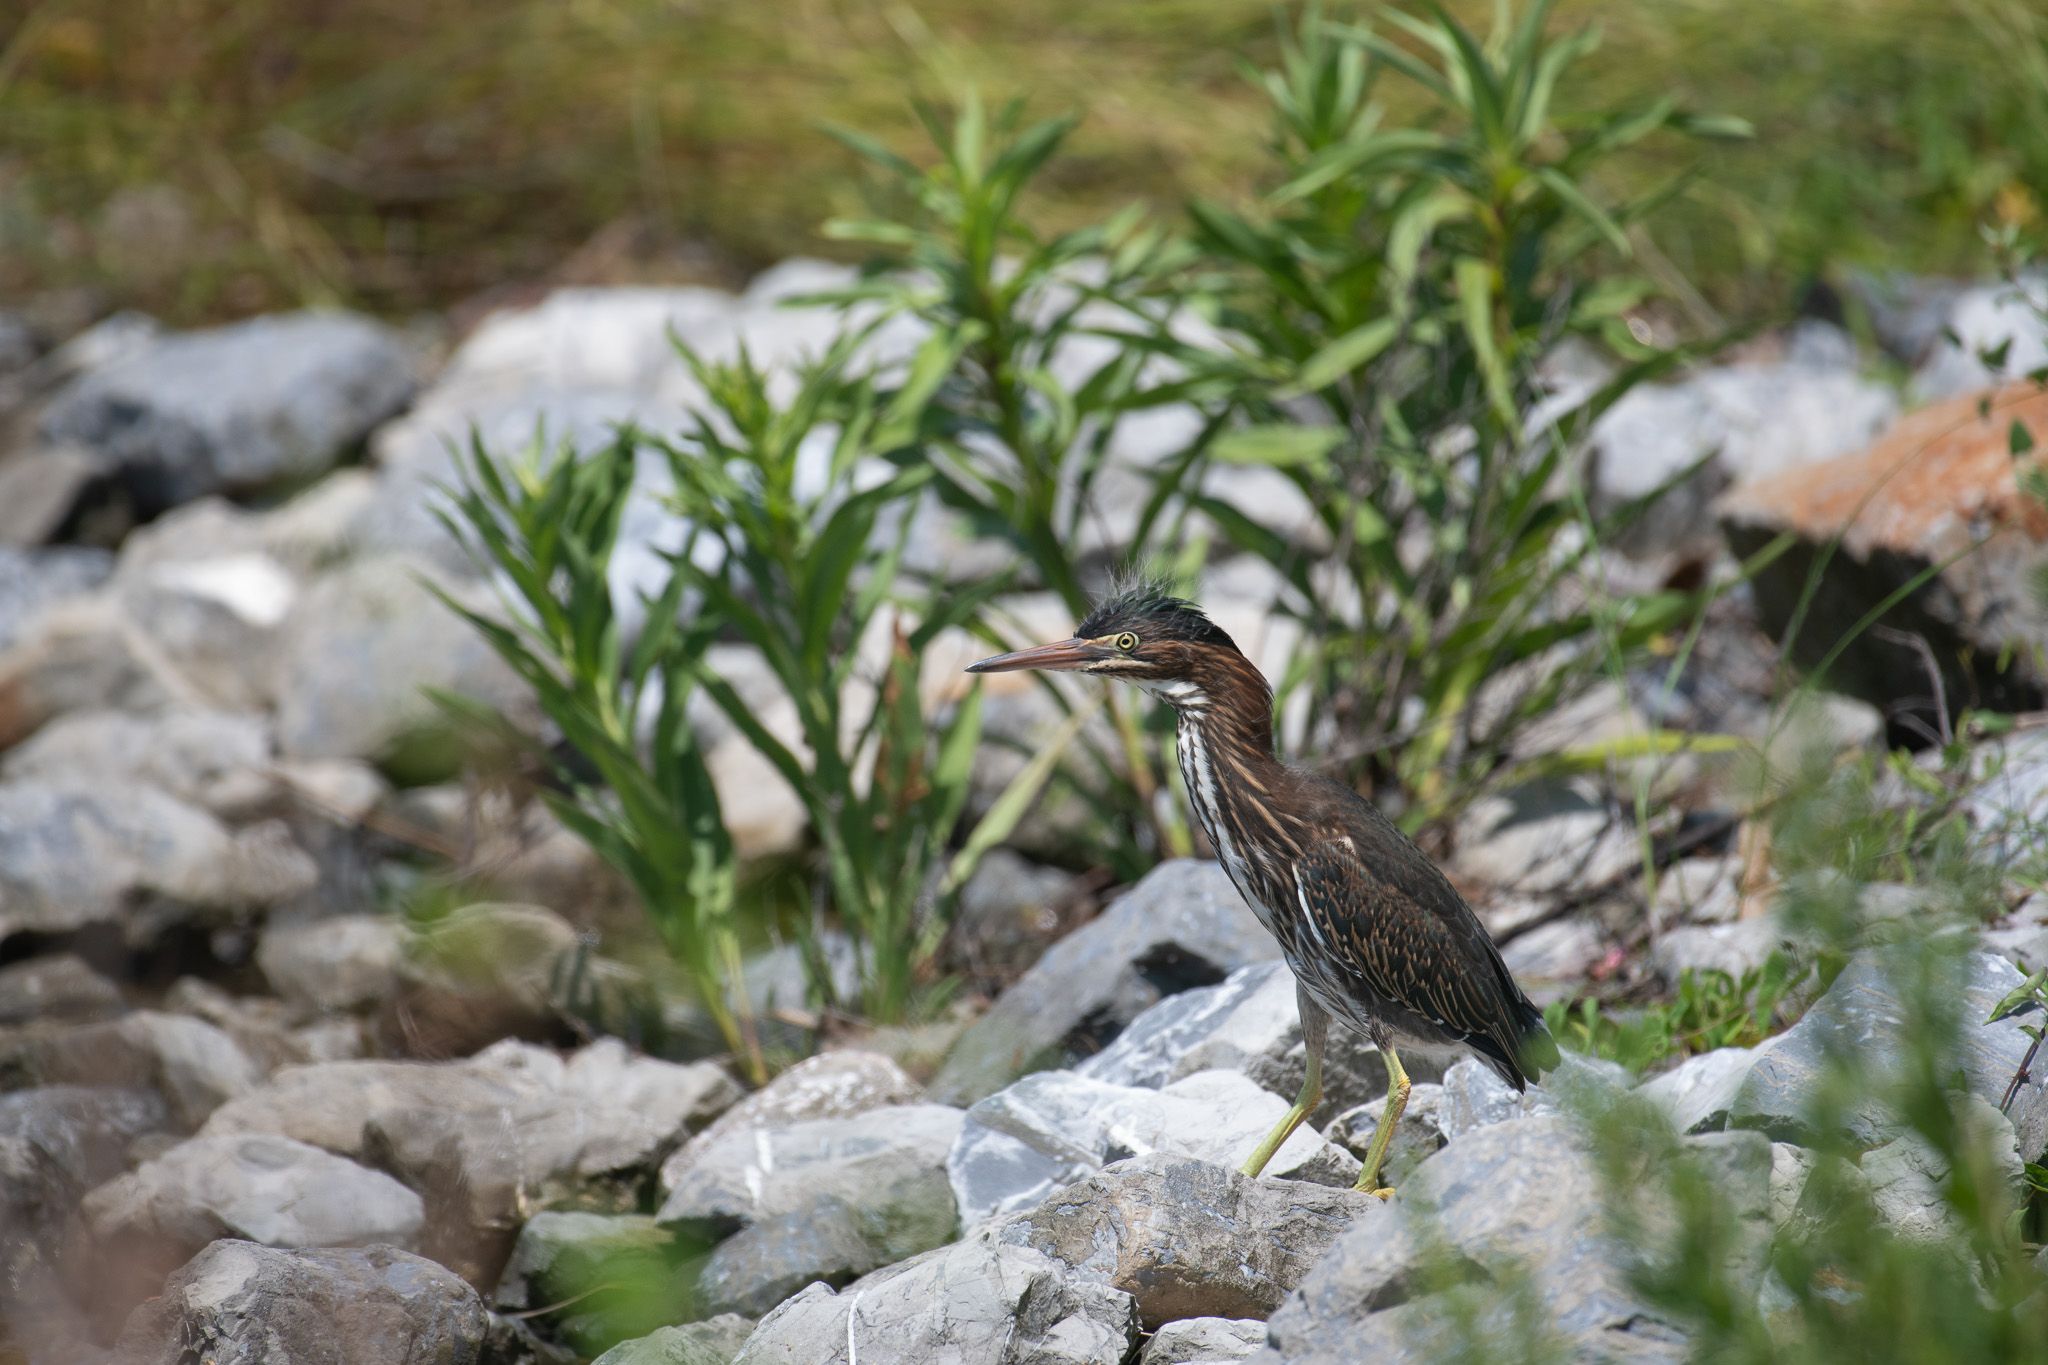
column 1151, row 611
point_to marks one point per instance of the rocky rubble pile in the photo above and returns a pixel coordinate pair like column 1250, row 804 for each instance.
column 249, row 1115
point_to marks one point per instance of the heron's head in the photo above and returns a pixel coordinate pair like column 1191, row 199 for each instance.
column 1146, row 636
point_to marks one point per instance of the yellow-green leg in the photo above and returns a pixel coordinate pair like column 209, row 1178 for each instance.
column 1390, row 1118
column 1315, row 1030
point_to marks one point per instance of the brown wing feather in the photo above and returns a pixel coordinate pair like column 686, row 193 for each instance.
column 1396, row 925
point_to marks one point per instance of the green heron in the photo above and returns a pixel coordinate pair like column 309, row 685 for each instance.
column 1374, row 933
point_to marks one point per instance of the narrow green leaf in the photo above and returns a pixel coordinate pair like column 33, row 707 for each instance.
column 1281, row 447
column 1474, row 283
column 1008, row 810
column 1340, row 358
column 1575, row 199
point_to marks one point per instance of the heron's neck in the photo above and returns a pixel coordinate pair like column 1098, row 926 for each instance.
column 1227, row 705
column 1227, row 763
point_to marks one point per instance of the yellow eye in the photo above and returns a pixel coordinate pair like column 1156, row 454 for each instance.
column 1126, row 642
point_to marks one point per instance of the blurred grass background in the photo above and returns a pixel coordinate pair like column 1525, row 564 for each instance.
column 211, row 158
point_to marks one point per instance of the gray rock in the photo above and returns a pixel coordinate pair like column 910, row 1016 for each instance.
column 1742, row 1170
column 761, row 811
column 1007, row 912
column 891, row 1158
column 674, row 1099
column 973, row 1301
column 80, row 654
column 58, row 987
column 1248, row 1022
column 778, row 980
column 305, row 533
column 237, row 407
column 1790, row 1166
column 416, row 464
column 1418, row 1137
column 1865, row 1011
column 828, row 1241
column 328, row 1104
column 1908, row 1179
column 1184, row 925
column 2022, row 936
column 832, row 1085
column 1820, row 728
column 347, row 962
column 44, row 489
column 361, row 645
column 482, row 973
column 1550, row 959
column 593, row 1277
column 1474, row 1098
column 1545, row 837
column 487, row 1139
column 266, row 1189
column 1744, row 420
column 1204, row 1341
column 57, row 1142
column 1248, row 1016
column 81, row 852
column 615, row 337
column 1906, row 312
column 1979, row 320
column 1514, row 1194
column 1187, row 1238
column 1831, row 1188
column 110, row 340
column 2009, row 802
column 215, row 760
column 266, row 1030
column 570, row 370
column 714, row 1341
column 236, row 1303
column 194, row 1065
column 31, row 581
column 1699, row 1093
column 1737, row 947
column 218, row 621
column 1021, row 1144
column 761, row 1265
column 1699, row 891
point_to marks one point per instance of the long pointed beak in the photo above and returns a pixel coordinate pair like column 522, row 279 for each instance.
column 1060, row 654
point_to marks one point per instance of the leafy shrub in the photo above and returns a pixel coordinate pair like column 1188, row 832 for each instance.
column 1711, row 1009
column 1387, row 306
column 793, row 548
column 1025, row 424
column 790, row 495
column 547, row 529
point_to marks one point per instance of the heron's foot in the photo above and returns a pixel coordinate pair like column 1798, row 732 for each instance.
column 1369, row 1182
